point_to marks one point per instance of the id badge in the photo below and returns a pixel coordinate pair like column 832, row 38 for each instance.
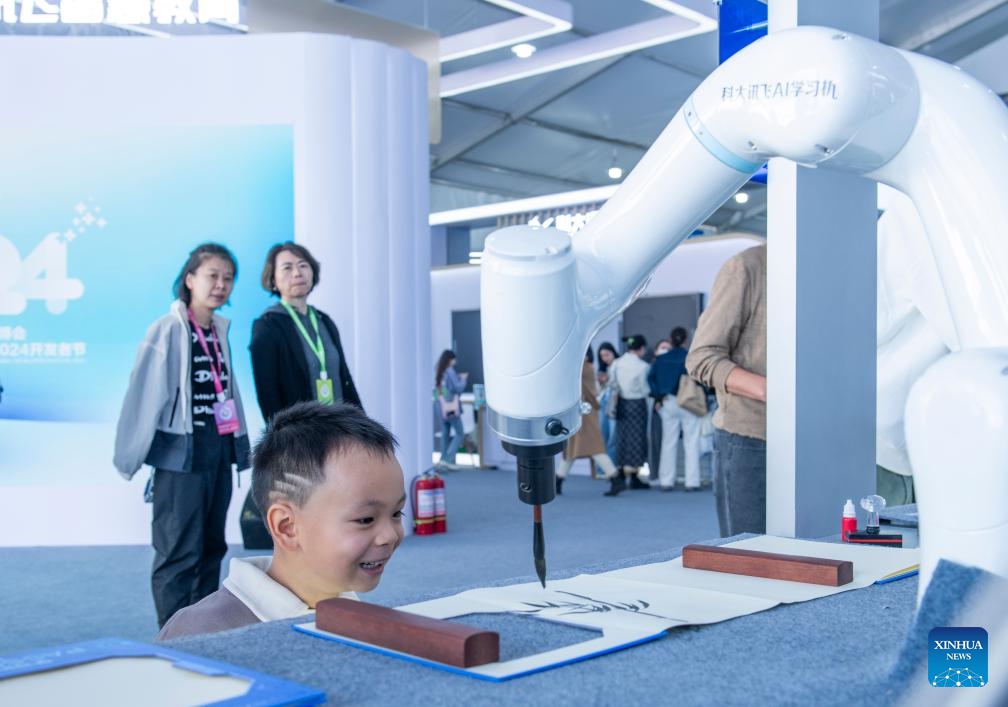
column 225, row 414
column 324, row 390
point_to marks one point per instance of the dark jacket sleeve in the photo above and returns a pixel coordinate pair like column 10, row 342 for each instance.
column 346, row 381
column 652, row 380
column 266, row 368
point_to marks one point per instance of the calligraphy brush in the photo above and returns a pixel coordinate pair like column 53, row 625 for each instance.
column 538, row 544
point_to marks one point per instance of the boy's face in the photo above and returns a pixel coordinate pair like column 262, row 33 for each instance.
column 350, row 525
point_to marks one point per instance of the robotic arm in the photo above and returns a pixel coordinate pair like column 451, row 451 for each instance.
column 823, row 98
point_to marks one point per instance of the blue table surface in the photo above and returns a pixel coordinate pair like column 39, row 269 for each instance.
column 842, row 649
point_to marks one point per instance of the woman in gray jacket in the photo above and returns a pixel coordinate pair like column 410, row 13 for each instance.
column 182, row 415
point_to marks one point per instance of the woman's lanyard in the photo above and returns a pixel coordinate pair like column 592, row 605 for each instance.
column 217, row 370
column 324, row 392
column 225, row 412
column 316, row 346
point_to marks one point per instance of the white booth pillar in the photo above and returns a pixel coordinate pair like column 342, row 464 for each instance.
column 365, row 219
column 821, row 309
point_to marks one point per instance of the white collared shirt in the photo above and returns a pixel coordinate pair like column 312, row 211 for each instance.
column 264, row 596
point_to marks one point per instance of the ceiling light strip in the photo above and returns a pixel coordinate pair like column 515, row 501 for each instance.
column 540, row 18
column 495, row 36
column 535, row 203
column 545, row 10
column 699, row 11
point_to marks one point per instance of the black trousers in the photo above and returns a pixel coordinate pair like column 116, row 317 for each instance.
column 188, row 526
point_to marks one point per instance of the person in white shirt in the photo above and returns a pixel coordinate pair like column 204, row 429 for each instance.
column 628, row 378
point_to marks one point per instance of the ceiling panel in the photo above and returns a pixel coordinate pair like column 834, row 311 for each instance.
column 505, row 53
column 543, row 151
column 594, row 17
column 516, row 183
column 551, row 132
column 913, row 24
column 446, row 17
column 533, row 91
column 632, row 100
column 969, row 37
column 462, row 128
column 697, row 55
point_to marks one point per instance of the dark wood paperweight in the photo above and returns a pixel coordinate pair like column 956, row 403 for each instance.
column 434, row 639
column 772, row 565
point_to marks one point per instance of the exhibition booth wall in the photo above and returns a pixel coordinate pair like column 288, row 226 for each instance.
column 122, row 154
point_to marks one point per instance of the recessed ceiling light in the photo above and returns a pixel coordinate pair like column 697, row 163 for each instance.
column 524, row 50
column 741, row 197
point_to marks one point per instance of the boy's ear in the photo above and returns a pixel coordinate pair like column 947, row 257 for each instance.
column 279, row 521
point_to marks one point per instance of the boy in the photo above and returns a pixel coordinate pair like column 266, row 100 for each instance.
column 332, row 495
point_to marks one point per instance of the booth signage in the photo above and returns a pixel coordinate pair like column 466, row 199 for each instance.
column 121, row 12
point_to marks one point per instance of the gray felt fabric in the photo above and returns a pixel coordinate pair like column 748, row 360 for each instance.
column 816, row 652
column 956, row 596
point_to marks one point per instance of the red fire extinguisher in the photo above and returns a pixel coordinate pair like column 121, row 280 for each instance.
column 422, row 495
column 440, row 509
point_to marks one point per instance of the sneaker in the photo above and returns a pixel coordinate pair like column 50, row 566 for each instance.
column 666, row 489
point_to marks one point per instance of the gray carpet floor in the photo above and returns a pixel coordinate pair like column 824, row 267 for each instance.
column 56, row 595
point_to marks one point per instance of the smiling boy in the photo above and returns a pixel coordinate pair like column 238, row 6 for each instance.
column 332, row 495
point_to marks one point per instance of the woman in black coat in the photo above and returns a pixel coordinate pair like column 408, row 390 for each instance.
column 296, row 349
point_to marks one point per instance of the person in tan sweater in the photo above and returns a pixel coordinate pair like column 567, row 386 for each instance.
column 728, row 354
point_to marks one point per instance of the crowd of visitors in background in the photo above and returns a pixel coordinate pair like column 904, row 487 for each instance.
column 614, row 435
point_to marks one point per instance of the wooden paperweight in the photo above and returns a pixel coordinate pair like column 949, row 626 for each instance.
column 434, row 639
column 811, row 570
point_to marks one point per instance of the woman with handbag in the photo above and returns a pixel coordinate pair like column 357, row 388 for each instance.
column 664, row 380
column 182, row 414
column 449, row 385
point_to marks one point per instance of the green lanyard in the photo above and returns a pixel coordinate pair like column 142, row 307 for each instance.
column 316, row 346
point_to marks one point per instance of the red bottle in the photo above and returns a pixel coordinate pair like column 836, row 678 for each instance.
column 848, row 524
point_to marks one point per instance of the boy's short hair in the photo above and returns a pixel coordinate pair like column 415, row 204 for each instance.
column 289, row 459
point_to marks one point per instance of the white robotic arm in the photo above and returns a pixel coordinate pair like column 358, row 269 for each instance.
column 914, row 327
column 820, row 97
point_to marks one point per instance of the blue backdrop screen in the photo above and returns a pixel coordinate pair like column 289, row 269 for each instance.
column 94, row 229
